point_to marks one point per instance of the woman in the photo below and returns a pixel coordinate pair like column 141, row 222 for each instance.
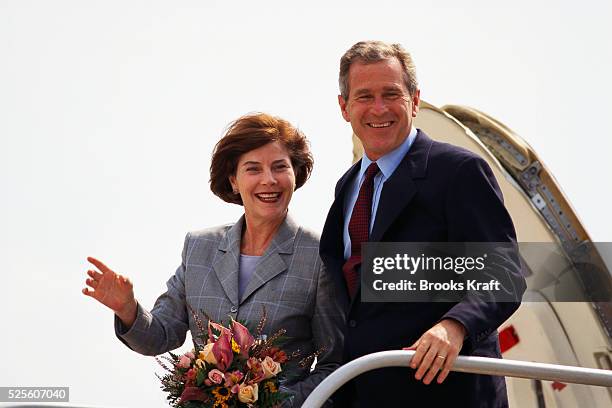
column 263, row 260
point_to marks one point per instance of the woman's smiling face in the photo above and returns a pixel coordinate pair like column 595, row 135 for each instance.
column 265, row 181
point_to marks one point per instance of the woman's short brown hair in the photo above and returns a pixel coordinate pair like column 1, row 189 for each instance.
column 251, row 132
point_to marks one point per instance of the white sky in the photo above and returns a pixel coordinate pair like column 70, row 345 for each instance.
column 109, row 112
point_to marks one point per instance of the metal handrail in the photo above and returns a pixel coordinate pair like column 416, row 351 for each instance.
column 464, row 364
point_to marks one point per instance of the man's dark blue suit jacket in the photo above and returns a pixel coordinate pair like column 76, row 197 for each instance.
column 438, row 193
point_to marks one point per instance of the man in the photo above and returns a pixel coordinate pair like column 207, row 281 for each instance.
column 417, row 190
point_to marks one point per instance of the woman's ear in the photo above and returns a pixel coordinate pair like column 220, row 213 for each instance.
column 232, row 180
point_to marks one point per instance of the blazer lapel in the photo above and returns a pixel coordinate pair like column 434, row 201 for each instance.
column 400, row 188
column 271, row 263
column 227, row 265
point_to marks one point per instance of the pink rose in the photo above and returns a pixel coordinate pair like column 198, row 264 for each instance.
column 270, row 367
column 184, row 362
column 215, row 376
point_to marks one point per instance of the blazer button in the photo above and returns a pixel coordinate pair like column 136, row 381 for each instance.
column 233, row 309
column 352, row 323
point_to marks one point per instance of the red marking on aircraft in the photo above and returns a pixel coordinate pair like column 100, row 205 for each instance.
column 558, row 386
column 508, row 338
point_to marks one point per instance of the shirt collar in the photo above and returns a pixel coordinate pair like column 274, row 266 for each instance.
column 389, row 162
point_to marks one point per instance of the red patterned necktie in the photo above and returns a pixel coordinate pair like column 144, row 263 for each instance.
column 359, row 228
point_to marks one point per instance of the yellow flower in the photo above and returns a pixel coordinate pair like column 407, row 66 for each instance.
column 235, row 347
column 221, row 394
column 271, row 387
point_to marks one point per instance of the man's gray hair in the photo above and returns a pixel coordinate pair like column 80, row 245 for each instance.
column 368, row 52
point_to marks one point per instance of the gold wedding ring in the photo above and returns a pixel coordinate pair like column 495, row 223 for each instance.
column 442, row 357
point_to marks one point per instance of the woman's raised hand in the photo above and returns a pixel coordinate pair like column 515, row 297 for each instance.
column 112, row 290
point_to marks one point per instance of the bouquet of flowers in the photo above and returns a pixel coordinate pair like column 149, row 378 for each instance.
column 233, row 368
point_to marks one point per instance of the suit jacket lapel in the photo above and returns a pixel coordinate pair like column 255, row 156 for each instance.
column 271, row 263
column 397, row 192
column 400, row 188
column 227, row 264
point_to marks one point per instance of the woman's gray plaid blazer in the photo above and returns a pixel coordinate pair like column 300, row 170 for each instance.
column 290, row 281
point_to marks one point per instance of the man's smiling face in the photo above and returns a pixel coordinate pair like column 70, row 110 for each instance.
column 379, row 106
